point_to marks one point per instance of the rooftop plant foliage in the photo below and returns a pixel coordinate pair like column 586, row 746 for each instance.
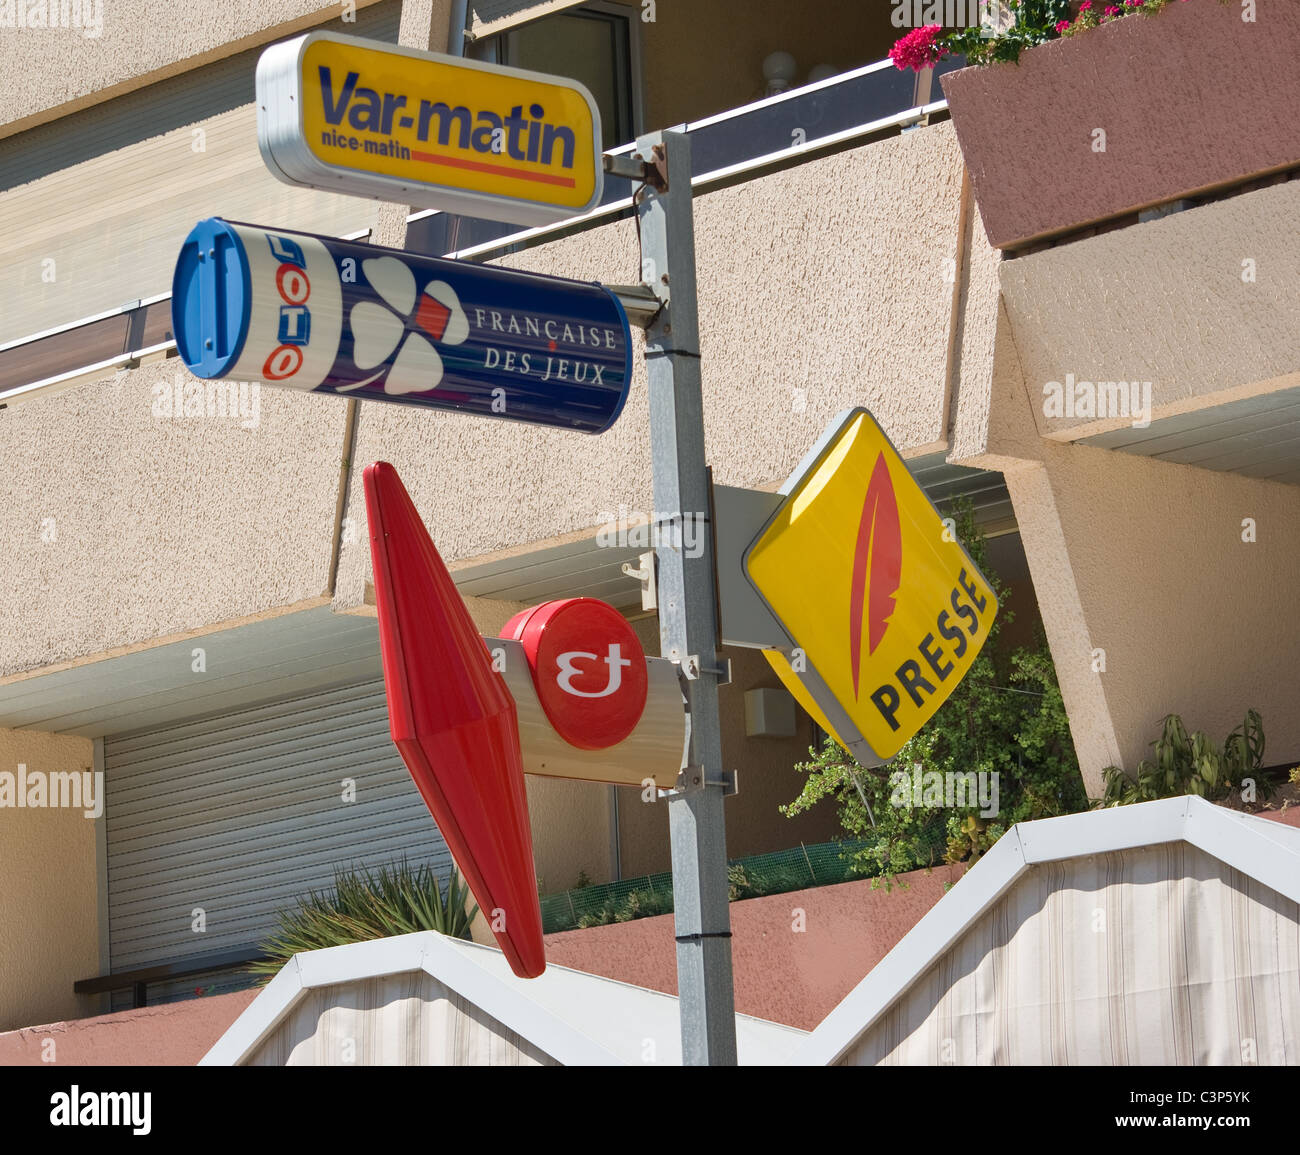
column 1186, row 763
column 1023, row 24
column 1005, row 718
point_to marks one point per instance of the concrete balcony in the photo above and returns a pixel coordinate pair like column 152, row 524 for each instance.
column 1090, row 130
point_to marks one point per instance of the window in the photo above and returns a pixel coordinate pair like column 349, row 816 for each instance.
column 593, row 44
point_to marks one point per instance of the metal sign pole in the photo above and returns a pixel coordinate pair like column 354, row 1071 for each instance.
column 687, row 603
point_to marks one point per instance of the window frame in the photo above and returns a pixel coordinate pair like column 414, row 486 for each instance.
column 491, row 49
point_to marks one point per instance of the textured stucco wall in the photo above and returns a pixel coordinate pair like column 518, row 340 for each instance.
column 49, row 904
column 1166, row 302
column 821, row 287
column 158, row 525
column 1193, row 620
column 974, row 339
column 198, row 522
column 1141, row 564
column 49, row 72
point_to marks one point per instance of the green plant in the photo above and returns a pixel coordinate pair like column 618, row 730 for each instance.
column 1005, row 722
column 738, row 883
column 1036, row 22
column 1186, row 763
column 644, row 903
column 1033, row 22
column 362, row 905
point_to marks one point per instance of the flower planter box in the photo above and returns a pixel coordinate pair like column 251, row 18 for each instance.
column 1190, row 99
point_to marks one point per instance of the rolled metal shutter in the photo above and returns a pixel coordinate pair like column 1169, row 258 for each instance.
column 241, row 813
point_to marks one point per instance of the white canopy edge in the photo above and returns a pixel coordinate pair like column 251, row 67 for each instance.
column 574, row 1017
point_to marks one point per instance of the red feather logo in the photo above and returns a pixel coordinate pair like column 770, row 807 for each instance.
column 877, row 566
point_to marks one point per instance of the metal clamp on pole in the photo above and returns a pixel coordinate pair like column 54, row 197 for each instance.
column 692, row 669
column 629, row 166
column 640, row 302
column 695, row 777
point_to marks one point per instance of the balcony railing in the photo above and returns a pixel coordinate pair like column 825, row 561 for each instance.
column 784, row 130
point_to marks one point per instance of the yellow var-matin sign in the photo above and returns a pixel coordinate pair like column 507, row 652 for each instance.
column 886, row 609
column 358, row 116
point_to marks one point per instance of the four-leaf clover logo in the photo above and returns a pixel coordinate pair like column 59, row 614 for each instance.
column 378, row 330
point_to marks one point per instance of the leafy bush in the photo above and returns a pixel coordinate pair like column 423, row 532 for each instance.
column 746, row 882
column 398, row 899
column 1005, row 717
column 644, row 903
column 1192, row 764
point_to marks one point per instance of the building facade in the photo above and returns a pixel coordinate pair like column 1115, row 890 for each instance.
column 188, row 606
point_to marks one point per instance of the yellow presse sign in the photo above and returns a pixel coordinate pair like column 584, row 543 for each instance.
column 886, row 609
column 440, row 131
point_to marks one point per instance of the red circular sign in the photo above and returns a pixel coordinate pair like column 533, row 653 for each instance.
column 588, row 667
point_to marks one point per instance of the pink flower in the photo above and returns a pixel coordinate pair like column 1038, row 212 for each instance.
column 918, row 49
column 1086, row 6
column 1112, row 10
column 1062, row 25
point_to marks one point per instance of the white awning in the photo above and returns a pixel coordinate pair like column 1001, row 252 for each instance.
column 488, row 17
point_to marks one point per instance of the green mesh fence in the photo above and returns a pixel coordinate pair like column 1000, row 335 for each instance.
column 778, row 873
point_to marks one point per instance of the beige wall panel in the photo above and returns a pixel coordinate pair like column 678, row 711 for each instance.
column 121, row 243
column 1192, row 619
column 51, row 72
column 49, row 904
column 768, row 778
column 979, row 304
column 1144, row 560
column 570, row 823
column 1165, row 302
column 158, row 525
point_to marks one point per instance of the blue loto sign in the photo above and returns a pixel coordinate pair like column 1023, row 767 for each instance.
column 312, row 313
